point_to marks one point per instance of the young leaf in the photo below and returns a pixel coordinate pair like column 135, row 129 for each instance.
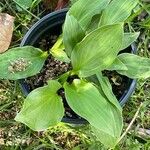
column 42, row 108
column 60, row 55
column 107, row 90
column 58, row 51
column 21, row 62
column 138, row 67
column 83, row 10
column 97, row 50
column 6, row 30
column 72, row 33
column 129, row 38
column 85, row 99
column 59, row 44
column 117, row 11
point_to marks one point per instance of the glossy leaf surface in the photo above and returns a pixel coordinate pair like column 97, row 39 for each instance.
column 117, row 11
column 128, row 39
column 42, row 108
column 58, row 51
column 97, row 50
column 85, row 99
column 117, row 65
column 107, row 90
column 138, row 67
column 21, row 62
column 72, row 33
column 110, row 140
column 83, row 10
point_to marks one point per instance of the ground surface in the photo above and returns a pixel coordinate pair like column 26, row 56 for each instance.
column 15, row 136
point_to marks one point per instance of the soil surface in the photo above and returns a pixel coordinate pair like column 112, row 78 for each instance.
column 118, row 82
column 54, row 68
column 51, row 70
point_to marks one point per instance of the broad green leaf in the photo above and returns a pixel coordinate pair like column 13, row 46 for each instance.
column 107, row 90
column 85, row 99
column 21, row 62
column 128, row 39
column 97, row 50
column 94, row 23
column 117, row 11
column 72, row 33
column 42, row 108
column 138, row 67
column 83, row 10
column 58, row 51
column 117, row 65
column 108, row 139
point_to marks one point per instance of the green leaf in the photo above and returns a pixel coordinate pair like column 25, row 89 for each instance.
column 138, row 67
column 129, row 38
column 63, row 78
column 97, row 50
column 59, row 44
column 42, row 108
column 117, row 65
column 107, row 90
column 72, row 33
column 85, row 99
column 21, row 62
column 83, row 10
column 94, row 23
column 108, row 140
column 24, row 3
column 58, row 51
column 60, row 55
column 117, row 11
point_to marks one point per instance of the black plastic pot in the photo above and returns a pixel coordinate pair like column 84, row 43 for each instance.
column 52, row 23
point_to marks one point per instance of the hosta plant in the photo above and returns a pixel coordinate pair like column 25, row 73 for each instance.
column 92, row 40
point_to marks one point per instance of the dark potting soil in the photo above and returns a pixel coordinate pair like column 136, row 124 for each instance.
column 118, row 82
column 51, row 70
column 54, row 68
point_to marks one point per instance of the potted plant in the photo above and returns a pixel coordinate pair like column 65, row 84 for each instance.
column 89, row 48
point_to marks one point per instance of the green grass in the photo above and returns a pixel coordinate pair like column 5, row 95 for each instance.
column 15, row 136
